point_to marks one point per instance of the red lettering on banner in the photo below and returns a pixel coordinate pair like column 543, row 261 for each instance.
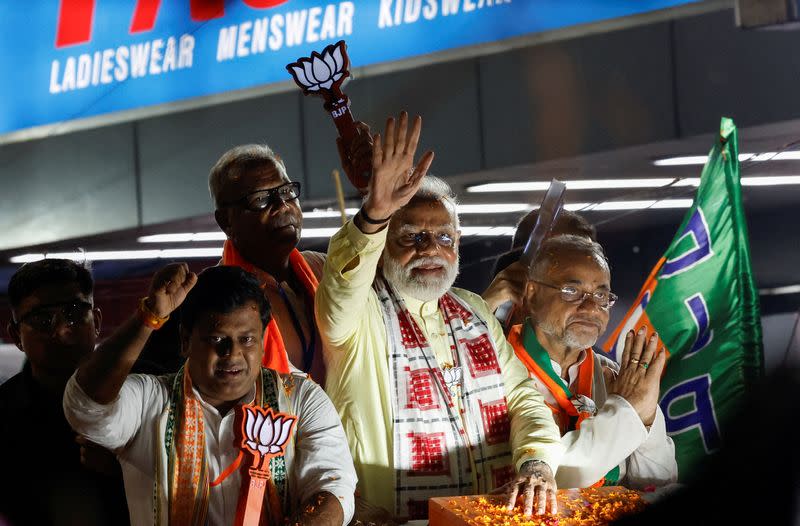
column 75, row 17
column 264, row 4
column 74, row 22
column 144, row 16
column 202, row 10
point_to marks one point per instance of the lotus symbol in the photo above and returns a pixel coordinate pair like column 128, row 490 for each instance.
column 452, row 379
column 321, row 71
column 584, row 404
column 266, row 432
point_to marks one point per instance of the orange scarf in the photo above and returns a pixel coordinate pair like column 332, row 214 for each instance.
column 569, row 418
column 275, row 356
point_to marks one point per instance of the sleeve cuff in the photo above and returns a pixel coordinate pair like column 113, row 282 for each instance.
column 76, row 398
column 625, row 408
column 350, row 246
column 547, row 457
column 364, row 242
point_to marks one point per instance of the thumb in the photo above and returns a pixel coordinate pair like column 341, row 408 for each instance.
column 609, row 376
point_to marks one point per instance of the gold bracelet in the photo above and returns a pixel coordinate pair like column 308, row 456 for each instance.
column 150, row 318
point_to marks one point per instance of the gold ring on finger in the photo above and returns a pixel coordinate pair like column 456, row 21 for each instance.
column 634, row 360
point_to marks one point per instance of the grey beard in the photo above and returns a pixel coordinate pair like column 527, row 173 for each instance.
column 421, row 289
column 567, row 338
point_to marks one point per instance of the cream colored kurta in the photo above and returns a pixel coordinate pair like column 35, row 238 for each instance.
column 356, row 355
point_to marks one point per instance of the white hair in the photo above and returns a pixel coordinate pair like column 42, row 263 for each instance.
column 236, row 161
column 433, row 188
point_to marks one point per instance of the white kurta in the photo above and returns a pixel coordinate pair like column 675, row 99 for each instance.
column 321, row 459
column 615, row 436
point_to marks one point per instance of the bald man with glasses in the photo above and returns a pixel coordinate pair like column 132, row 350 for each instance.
column 608, row 414
column 258, row 208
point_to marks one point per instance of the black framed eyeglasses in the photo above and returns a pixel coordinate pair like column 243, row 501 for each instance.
column 43, row 319
column 569, row 294
column 421, row 239
column 263, row 199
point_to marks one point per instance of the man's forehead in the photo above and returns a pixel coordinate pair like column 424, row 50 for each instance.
column 240, row 319
column 425, row 215
column 577, row 266
column 261, row 176
column 52, row 294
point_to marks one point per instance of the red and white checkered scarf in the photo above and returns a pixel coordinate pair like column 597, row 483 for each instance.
column 436, row 449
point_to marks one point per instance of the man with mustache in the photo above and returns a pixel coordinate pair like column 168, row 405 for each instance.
column 258, row 208
column 431, row 397
column 186, row 445
column 611, row 424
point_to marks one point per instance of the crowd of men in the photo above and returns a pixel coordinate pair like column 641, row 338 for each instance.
column 373, row 383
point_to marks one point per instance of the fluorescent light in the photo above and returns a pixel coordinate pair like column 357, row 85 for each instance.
column 577, row 207
column 778, row 291
column 468, row 231
column 621, row 205
column 688, row 160
column 311, row 233
column 110, row 255
column 320, row 213
column 794, row 155
column 529, row 186
column 494, row 208
column 183, row 238
column 612, row 206
column 688, row 181
column 673, row 203
column 773, row 180
column 761, row 157
column 581, row 184
column 27, row 258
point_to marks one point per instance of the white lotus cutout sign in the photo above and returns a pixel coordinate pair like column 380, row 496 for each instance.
column 323, row 74
column 320, row 71
column 265, row 432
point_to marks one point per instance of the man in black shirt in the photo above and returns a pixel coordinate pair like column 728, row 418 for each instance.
column 53, row 477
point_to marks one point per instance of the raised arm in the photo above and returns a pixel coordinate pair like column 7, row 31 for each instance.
column 102, row 375
column 355, row 250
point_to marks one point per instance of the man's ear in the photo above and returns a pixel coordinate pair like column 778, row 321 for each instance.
column 13, row 331
column 223, row 220
column 185, row 336
column 529, row 300
column 98, row 320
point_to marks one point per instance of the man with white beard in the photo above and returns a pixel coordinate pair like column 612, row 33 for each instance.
column 431, row 397
column 608, row 414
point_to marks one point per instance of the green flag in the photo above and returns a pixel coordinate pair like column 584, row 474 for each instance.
column 702, row 301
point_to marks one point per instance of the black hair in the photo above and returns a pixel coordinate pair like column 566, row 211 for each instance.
column 32, row 276
column 222, row 290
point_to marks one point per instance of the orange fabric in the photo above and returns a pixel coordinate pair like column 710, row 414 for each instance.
column 275, row 356
column 585, row 375
column 565, row 408
column 189, row 482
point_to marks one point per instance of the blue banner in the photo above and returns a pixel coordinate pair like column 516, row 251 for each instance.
column 71, row 59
